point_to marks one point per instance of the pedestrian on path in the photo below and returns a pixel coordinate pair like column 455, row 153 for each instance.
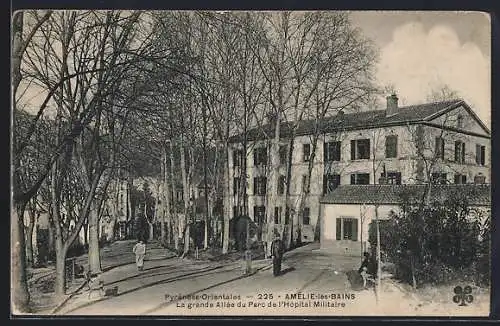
column 277, row 250
column 139, row 251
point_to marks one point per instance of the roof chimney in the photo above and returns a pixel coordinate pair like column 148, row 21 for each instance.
column 392, row 104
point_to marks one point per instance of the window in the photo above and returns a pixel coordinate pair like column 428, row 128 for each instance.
column 283, row 153
column 330, row 182
column 236, row 185
column 347, row 228
column 391, row 146
column 277, row 214
column 281, row 185
column 479, row 179
column 460, row 121
column 360, row 179
column 332, row 151
column 480, row 154
column 393, row 178
column 459, row 152
column 237, row 157
column 360, row 149
column 180, row 195
column 439, row 148
column 305, row 183
column 306, row 149
column 259, row 186
column 259, row 214
column 438, row 178
column 306, row 216
column 460, row 179
column 260, row 156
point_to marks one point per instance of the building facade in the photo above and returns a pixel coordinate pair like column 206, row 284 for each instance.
column 347, row 213
column 442, row 142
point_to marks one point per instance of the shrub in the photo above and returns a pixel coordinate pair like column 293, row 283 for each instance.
column 437, row 243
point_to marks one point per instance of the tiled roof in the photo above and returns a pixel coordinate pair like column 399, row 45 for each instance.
column 476, row 194
column 364, row 119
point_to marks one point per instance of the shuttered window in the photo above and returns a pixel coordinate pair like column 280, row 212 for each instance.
column 347, row 228
column 331, row 151
column 459, row 152
column 480, row 152
column 360, row 149
column 391, row 146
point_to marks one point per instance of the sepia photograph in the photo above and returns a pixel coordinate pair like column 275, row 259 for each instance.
column 250, row 163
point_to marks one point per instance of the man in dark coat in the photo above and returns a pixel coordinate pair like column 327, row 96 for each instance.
column 277, row 250
column 368, row 269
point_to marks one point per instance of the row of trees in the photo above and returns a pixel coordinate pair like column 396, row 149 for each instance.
column 169, row 88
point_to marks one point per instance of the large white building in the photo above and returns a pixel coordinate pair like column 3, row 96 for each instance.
column 442, row 141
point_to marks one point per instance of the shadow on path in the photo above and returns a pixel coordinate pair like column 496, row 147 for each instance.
column 165, row 304
column 286, row 270
column 203, row 272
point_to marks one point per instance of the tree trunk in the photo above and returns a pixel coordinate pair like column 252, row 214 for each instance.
column 29, row 237
column 185, row 189
column 273, row 181
column 175, row 216
column 86, row 234
column 60, row 285
column 19, row 290
column 94, row 254
column 227, row 202
column 379, row 263
column 162, row 189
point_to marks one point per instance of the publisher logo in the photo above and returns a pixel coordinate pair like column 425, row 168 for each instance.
column 462, row 295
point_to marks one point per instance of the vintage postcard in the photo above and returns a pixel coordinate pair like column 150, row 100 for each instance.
column 250, row 163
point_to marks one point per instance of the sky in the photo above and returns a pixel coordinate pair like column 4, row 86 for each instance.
column 422, row 51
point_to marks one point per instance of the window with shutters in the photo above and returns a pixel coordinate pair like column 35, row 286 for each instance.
column 460, row 178
column 281, row 185
column 459, row 152
column 391, row 146
column 331, row 151
column 439, row 148
column 259, row 214
column 306, row 150
column 277, row 214
column 283, row 154
column 330, row 182
column 347, row 228
column 360, row 178
column 439, row 178
column 259, row 186
column 306, row 216
column 392, row 177
column 360, row 149
column 480, row 154
column 237, row 157
column 260, row 156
